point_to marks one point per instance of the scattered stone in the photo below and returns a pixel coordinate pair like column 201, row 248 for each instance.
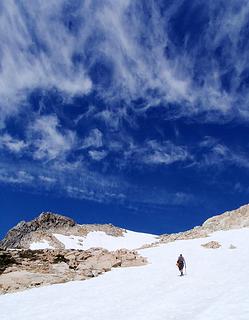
column 211, row 245
column 232, row 246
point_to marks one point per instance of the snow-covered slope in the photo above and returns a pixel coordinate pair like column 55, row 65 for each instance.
column 43, row 244
column 129, row 240
column 215, row 287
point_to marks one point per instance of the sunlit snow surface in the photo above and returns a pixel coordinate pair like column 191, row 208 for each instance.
column 130, row 240
column 215, row 287
column 43, row 244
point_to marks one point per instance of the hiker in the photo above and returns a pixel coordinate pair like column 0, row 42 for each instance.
column 181, row 263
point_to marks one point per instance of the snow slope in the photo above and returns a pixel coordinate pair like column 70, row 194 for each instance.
column 130, row 240
column 215, row 287
column 43, row 244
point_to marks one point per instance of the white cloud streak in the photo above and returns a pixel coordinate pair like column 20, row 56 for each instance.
column 94, row 139
column 20, row 177
column 11, row 144
column 97, row 155
column 155, row 153
column 219, row 155
column 47, row 139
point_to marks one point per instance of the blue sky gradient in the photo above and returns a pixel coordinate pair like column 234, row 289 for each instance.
column 129, row 112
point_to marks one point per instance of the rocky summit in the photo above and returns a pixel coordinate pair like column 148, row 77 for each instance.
column 46, row 221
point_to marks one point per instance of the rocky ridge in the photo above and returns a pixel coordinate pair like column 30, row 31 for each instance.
column 234, row 219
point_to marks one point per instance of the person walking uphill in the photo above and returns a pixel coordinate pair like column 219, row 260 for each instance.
column 181, row 263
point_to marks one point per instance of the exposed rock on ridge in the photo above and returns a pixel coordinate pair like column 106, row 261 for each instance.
column 234, row 219
column 45, row 221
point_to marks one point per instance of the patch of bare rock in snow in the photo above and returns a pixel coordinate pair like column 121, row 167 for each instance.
column 22, row 269
column 211, row 245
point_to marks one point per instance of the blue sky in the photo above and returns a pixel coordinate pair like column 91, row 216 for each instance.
column 129, row 112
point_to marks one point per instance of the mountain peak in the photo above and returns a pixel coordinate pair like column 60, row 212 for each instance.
column 45, row 221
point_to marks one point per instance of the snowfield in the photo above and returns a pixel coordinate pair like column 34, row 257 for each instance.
column 43, row 244
column 130, row 240
column 215, row 287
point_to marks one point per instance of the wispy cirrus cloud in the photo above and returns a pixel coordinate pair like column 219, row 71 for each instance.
column 97, row 155
column 126, row 50
column 156, row 153
column 131, row 59
column 17, row 177
column 214, row 153
column 48, row 141
column 69, row 180
column 12, row 144
column 34, row 54
column 94, row 139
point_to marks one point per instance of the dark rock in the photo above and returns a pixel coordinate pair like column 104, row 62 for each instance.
column 6, row 260
column 60, row 258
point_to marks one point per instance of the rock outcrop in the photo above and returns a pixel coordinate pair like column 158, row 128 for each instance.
column 22, row 269
column 234, row 219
